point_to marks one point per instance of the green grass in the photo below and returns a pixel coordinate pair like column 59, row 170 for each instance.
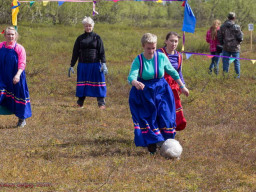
column 91, row 150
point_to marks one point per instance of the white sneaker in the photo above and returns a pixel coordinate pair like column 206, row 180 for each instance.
column 21, row 123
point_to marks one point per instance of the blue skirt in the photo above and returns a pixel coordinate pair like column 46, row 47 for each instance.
column 90, row 81
column 153, row 112
column 16, row 98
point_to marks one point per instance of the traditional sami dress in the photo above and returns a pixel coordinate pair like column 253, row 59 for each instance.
column 15, row 98
column 180, row 119
column 90, row 81
column 89, row 51
column 152, row 109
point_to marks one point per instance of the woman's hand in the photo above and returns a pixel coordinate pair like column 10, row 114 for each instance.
column 16, row 78
column 138, row 85
column 185, row 91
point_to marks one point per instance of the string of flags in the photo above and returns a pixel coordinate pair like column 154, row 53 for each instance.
column 231, row 59
column 189, row 20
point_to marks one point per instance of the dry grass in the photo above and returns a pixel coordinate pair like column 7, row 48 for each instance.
column 70, row 149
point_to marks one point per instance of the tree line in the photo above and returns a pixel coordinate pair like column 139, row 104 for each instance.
column 136, row 13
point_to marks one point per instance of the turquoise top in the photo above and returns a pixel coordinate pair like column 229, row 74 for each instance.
column 148, row 68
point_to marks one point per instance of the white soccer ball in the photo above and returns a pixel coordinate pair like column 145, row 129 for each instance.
column 171, row 148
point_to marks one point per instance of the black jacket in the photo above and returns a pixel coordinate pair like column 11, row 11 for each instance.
column 89, row 49
column 230, row 36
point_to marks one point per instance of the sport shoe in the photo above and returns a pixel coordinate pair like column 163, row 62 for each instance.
column 80, row 106
column 152, row 148
column 102, row 107
column 21, row 123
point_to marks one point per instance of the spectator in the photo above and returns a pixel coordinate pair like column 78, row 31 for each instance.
column 230, row 36
column 212, row 39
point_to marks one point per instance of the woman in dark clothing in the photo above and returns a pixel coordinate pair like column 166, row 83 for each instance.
column 91, row 70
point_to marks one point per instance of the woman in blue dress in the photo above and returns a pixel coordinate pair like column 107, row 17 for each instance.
column 14, row 95
column 89, row 51
column 151, row 99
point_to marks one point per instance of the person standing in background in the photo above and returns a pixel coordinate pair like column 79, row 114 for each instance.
column 230, row 36
column 212, row 39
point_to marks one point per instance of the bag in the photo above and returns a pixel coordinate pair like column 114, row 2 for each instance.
column 219, row 48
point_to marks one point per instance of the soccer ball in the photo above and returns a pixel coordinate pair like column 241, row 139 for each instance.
column 171, row 149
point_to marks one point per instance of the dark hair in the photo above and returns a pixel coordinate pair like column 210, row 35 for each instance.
column 170, row 34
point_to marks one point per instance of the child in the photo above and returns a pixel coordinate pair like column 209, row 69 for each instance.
column 211, row 38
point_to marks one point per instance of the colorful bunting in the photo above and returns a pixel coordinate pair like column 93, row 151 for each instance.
column 60, row 2
column 31, row 3
column 253, row 61
column 231, row 60
column 188, row 55
column 45, row 3
column 159, row 1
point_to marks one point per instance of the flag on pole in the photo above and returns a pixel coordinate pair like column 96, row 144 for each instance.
column 189, row 21
column 93, row 8
column 15, row 11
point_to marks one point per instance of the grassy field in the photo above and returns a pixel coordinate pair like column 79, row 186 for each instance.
column 68, row 149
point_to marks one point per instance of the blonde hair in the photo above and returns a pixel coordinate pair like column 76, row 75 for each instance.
column 10, row 28
column 148, row 38
column 214, row 28
column 88, row 20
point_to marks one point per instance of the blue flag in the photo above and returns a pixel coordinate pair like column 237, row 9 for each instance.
column 189, row 21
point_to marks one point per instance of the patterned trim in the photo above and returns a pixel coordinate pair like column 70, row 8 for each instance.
column 168, row 130
column 16, row 99
column 145, row 130
column 93, row 84
column 179, row 109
